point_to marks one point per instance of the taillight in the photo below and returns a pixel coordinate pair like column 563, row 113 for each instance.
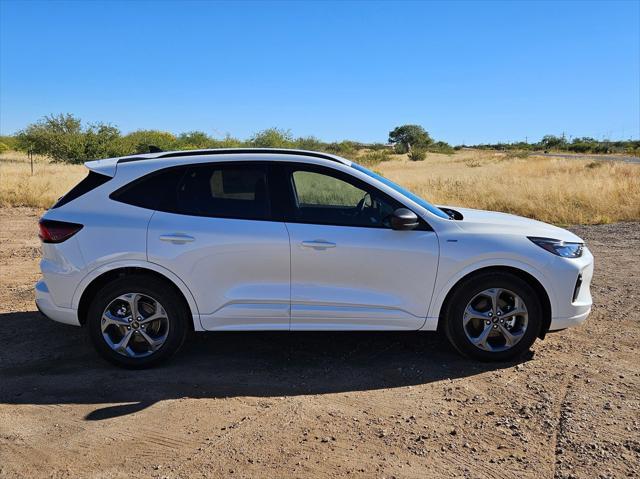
column 52, row 231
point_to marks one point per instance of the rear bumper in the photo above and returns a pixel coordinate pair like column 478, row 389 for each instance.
column 47, row 307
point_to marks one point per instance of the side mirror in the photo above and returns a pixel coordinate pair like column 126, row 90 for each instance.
column 404, row 219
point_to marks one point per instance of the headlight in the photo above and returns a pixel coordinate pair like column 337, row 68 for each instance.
column 559, row 247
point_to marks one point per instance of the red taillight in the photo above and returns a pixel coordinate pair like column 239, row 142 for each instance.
column 52, row 231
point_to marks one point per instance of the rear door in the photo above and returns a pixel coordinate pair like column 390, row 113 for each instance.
column 349, row 269
column 217, row 234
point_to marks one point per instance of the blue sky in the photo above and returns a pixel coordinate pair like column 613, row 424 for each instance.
column 467, row 71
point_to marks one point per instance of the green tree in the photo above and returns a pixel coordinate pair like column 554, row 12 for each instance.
column 57, row 136
column 229, row 142
column 10, row 141
column 139, row 141
column 272, row 138
column 553, row 142
column 195, row 140
column 406, row 137
column 102, row 141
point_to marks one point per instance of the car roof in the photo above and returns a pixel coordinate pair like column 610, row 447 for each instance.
column 231, row 151
column 109, row 165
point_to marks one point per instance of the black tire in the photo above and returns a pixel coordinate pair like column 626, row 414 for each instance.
column 467, row 290
column 178, row 319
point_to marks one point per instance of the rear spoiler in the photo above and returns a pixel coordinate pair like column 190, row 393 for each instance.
column 104, row 167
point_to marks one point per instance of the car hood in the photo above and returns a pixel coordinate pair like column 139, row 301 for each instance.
column 480, row 221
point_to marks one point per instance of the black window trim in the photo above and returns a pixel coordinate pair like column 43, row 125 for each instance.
column 92, row 181
column 279, row 190
column 124, row 188
column 222, row 165
column 162, row 208
column 288, row 168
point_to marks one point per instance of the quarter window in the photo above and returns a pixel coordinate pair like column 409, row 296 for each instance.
column 156, row 190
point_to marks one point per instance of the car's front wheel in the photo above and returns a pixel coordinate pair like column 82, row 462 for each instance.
column 493, row 316
column 137, row 321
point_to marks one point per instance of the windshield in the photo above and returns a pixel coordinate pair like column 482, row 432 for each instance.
column 425, row 204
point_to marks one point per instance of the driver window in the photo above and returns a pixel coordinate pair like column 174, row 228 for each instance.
column 324, row 199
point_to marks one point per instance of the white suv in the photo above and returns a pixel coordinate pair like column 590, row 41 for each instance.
column 149, row 247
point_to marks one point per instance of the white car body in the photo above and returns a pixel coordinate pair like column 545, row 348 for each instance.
column 238, row 274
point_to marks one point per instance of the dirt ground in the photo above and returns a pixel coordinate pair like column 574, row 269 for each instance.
column 322, row 404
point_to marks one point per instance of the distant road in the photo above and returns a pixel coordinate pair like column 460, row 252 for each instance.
column 627, row 159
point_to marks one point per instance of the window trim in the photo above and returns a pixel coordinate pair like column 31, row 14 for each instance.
column 227, row 165
column 288, row 216
column 132, row 184
column 92, row 181
column 161, row 205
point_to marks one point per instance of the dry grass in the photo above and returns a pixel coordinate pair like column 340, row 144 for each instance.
column 49, row 181
column 561, row 191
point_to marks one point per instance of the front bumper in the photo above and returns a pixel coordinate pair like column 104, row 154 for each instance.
column 572, row 309
column 564, row 323
column 46, row 306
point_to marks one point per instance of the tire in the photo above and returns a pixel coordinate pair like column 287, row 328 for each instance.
column 464, row 326
column 148, row 341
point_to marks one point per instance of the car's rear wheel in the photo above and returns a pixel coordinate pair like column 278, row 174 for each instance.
column 137, row 321
column 493, row 316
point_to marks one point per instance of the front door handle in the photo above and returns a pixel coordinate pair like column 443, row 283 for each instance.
column 177, row 238
column 318, row 244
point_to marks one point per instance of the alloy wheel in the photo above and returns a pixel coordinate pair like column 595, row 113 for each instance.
column 134, row 325
column 495, row 319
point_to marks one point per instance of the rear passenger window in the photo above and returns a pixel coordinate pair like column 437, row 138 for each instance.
column 225, row 191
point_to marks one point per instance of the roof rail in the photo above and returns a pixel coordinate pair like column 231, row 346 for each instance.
column 231, row 151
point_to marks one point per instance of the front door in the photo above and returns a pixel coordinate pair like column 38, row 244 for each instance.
column 349, row 269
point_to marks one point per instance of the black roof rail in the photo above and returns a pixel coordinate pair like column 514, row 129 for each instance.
column 231, row 151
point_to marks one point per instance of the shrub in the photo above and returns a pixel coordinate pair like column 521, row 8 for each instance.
column 374, row 157
column 378, row 147
column 195, row 140
column 417, row 154
column 3, row 147
column 343, row 148
column 10, row 142
column 440, row 147
column 139, row 141
column 309, row 143
column 272, row 138
column 229, row 142
column 517, row 154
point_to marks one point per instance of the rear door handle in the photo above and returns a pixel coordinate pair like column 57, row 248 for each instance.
column 177, row 238
column 318, row 244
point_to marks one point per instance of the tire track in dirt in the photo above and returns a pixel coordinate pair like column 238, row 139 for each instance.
column 560, row 419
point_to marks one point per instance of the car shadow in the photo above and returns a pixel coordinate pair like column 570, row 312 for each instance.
column 43, row 362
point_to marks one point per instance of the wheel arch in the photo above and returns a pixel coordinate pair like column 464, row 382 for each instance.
column 92, row 283
column 526, row 276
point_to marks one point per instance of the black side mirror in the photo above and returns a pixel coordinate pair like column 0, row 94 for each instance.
column 404, row 219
